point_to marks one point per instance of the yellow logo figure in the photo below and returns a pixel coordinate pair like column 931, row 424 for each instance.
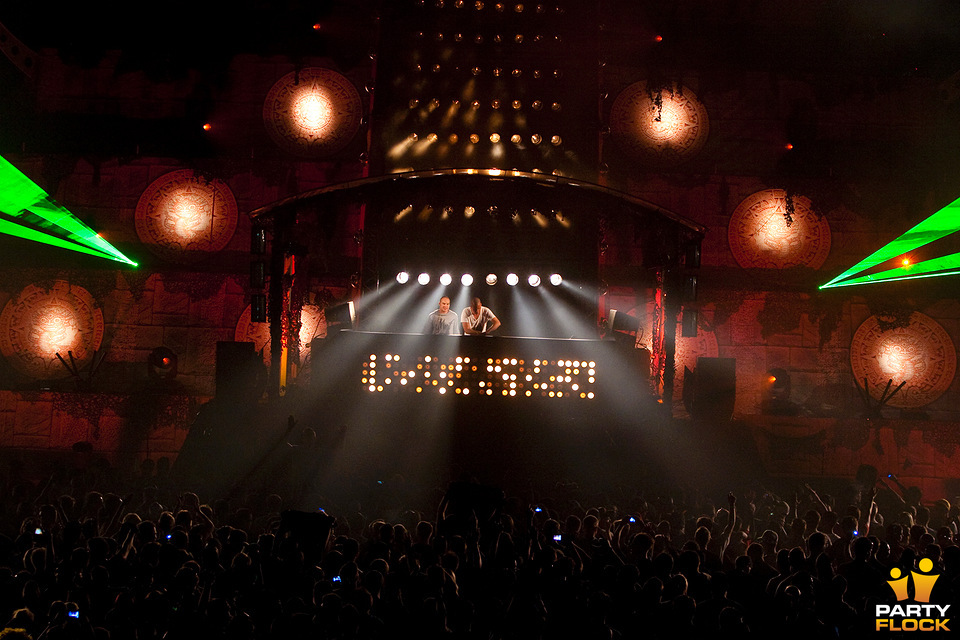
column 922, row 584
column 898, row 584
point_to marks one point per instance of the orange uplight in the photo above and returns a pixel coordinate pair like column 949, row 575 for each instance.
column 771, row 379
column 207, row 126
column 906, row 262
column 316, row 26
column 658, row 38
column 788, row 146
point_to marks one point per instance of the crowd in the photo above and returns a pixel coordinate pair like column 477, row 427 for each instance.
column 94, row 553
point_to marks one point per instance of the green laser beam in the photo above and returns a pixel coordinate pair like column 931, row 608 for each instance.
column 22, row 197
column 940, row 224
column 14, row 229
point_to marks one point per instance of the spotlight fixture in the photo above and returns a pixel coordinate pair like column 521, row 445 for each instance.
column 424, row 278
column 534, row 280
column 403, row 277
column 512, row 279
column 445, row 279
column 775, row 398
column 466, row 279
column 491, row 279
column 555, row 279
column 162, row 364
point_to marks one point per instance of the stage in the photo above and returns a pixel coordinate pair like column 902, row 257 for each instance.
column 424, row 410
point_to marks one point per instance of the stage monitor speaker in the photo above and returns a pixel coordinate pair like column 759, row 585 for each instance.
column 716, row 388
column 621, row 321
column 238, row 369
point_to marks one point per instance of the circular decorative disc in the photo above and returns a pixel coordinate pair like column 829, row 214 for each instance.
column 669, row 132
column 183, row 218
column 40, row 323
column 760, row 237
column 315, row 114
column 313, row 324
column 920, row 354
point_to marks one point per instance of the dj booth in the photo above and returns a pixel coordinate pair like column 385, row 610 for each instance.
column 495, row 408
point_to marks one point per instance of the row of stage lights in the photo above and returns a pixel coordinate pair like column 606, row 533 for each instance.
column 491, row 279
column 499, row 7
column 434, row 103
column 495, row 138
column 496, row 72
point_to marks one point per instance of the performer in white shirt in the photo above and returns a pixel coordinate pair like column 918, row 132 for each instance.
column 478, row 320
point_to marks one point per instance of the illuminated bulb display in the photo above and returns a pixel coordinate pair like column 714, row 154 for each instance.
column 466, row 279
column 496, row 377
column 403, row 277
column 512, row 279
column 446, row 279
column 423, row 279
column 491, row 279
column 534, row 280
column 555, row 279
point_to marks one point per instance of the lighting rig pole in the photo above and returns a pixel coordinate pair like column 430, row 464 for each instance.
column 283, row 224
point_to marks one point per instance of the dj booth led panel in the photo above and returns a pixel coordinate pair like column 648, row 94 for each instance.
column 373, row 366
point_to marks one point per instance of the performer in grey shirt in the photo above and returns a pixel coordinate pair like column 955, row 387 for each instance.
column 442, row 321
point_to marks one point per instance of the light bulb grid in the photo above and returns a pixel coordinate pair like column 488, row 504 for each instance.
column 489, row 377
